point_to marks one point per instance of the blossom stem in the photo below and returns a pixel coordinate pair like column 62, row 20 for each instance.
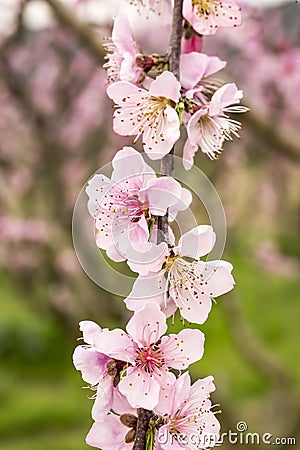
column 166, row 169
column 167, row 163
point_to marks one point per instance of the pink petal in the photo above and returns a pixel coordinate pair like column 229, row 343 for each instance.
column 147, row 325
column 90, row 330
column 146, row 257
column 149, row 289
column 225, row 96
column 203, row 386
column 140, row 388
column 193, row 128
column 161, row 193
column 115, row 343
column 189, row 151
column 128, row 163
column 197, row 242
column 183, row 349
column 182, row 204
column 120, row 404
column 104, row 398
column 120, row 90
column 96, row 188
column 216, row 276
column 90, row 362
column 181, row 392
column 122, row 35
column 194, row 309
column 158, row 142
column 192, row 68
column 108, row 434
column 166, row 85
column 165, row 404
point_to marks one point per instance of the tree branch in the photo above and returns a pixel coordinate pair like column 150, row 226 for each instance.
column 167, row 163
column 166, row 169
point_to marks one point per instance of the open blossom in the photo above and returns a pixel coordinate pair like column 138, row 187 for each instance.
column 123, row 206
column 206, row 16
column 168, row 279
column 183, row 420
column 115, row 430
column 210, row 126
column 150, row 113
column 97, row 369
column 188, row 422
column 121, row 53
column 149, row 355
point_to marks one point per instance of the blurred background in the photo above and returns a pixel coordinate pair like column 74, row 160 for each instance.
column 55, row 131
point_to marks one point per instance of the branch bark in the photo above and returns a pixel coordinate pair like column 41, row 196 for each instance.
column 166, row 169
column 167, row 163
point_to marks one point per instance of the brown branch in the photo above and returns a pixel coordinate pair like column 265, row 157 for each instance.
column 166, row 169
column 81, row 29
column 167, row 163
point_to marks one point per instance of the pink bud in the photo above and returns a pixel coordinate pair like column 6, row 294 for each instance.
column 192, row 43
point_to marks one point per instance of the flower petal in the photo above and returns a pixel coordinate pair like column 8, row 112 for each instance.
column 90, row 362
column 147, row 325
column 140, row 388
column 217, row 277
column 104, row 398
column 148, row 289
column 128, row 163
column 160, row 194
column 90, row 330
column 166, row 85
column 145, row 257
column 115, row 343
column 197, row 242
column 183, row 349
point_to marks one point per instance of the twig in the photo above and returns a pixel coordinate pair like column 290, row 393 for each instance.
column 166, row 169
column 167, row 163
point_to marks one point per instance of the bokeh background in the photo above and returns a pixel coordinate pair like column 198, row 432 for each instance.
column 55, row 131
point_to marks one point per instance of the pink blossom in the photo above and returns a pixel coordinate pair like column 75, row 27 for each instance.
column 168, row 279
column 113, row 431
column 149, row 355
column 108, row 434
column 210, row 126
column 149, row 113
column 206, row 16
column 96, row 369
column 192, row 43
column 123, row 206
column 187, row 414
column 122, row 51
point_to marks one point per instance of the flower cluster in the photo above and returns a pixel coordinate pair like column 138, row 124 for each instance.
column 155, row 108
column 143, row 367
